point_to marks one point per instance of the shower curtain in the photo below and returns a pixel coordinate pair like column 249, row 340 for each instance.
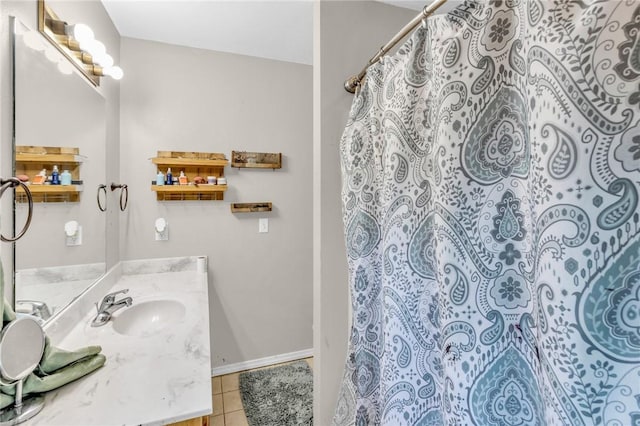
column 491, row 171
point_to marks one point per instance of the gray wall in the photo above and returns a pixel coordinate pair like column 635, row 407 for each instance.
column 346, row 35
column 92, row 13
column 185, row 99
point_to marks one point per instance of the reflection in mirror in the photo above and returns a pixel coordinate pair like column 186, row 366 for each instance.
column 59, row 121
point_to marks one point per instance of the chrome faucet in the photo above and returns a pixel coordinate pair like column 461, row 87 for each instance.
column 33, row 307
column 108, row 305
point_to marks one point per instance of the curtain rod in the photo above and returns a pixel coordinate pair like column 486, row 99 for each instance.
column 353, row 82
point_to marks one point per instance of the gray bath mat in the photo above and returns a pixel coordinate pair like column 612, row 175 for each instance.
column 278, row 396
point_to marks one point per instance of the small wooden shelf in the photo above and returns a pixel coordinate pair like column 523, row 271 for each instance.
column 49, row 158
column 201, row 164
column 50, row 193
column 256, row 160
column 186, row 162
column 30, row 160
column 251, row 207
column 189, row 192
column 52, row 189
column 189, row 188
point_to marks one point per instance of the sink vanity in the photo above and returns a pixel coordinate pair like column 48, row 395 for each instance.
column 158, row 362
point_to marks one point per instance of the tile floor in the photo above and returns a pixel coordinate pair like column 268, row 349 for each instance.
column 227, row 405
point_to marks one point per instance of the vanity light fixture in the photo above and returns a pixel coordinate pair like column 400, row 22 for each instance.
column 77, row 42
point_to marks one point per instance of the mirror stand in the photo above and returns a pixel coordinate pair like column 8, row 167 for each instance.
column 22, row 410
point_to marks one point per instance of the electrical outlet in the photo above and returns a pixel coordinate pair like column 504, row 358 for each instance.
column 164, row 235
column 162, row 229
column 76, row 239
column 263, row 225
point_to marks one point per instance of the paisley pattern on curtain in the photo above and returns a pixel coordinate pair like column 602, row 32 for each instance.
column 491, row 171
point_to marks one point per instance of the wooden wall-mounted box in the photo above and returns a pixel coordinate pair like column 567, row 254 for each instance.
column 251, row 207
column 256, row 160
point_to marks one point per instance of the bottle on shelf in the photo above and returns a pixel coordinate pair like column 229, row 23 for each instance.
column 169, row 177
column 182, row 180
column 55, row 176
column 40, row 178
column 65, row 178
column 160, row 178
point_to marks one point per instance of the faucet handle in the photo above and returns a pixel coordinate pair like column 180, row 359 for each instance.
column 111, row 297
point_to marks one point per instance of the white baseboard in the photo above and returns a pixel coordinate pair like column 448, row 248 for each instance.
column 261, row 362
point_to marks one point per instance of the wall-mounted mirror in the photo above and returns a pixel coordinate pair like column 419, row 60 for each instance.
column 59, row 121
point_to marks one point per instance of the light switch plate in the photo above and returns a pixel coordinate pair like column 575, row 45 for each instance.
column 263, row 225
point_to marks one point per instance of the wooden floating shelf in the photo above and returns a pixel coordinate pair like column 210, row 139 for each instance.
column 50, row 193
column 49, row 158
column 188, row 162
column 48, row 154
column 255, row 166
column 256, row 160
column 51, row 189
column 189, row 192
column 192, row 155
column 189, row 188
column 250, row 207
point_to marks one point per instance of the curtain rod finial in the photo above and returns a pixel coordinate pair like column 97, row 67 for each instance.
column 351, row 84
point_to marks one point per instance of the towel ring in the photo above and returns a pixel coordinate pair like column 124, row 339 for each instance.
column 14, row 182
column 124, row 191
column 104, row 188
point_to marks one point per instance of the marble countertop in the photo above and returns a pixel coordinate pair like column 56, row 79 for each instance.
column 155, row 378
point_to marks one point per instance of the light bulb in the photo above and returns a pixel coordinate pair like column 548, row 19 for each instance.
column 96, row 49
column 80, row 32
column 113, row 72
column 87, row 45
column 105, row 61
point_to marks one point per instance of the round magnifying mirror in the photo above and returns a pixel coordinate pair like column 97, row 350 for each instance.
column 21, row 348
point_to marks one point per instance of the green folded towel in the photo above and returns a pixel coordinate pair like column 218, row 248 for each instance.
column 57, row 366
column 54, row 358
column 57, row 370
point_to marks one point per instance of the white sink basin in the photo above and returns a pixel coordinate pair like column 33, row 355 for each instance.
column 148, row 317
